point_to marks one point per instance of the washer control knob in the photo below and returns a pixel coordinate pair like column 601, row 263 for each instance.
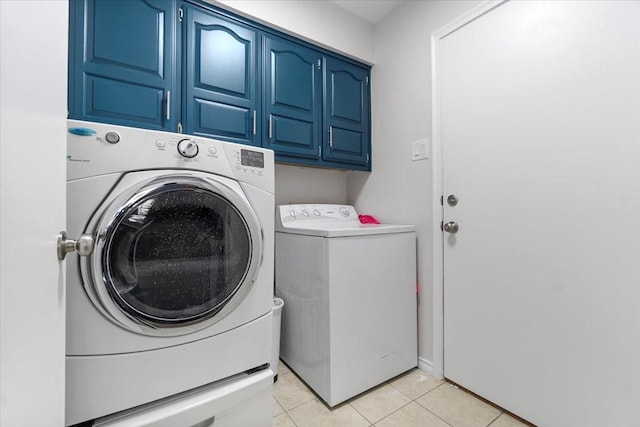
column 316, row 212
column 188, row 148
column 305, row 213
column 292, row 213
column 344, row 211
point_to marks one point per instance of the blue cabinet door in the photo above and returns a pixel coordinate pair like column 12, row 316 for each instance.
column 346, row 113
column 292, row 98
column 123, row 62
column 221, row 78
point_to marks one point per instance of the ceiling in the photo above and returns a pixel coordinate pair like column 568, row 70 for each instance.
column 369, row 10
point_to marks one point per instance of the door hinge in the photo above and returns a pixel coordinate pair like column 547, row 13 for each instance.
column 319, row 64
column 319, row 151
column 441, row 200
column 179, row 127
column 180, row 14
column 441, row 225
column 366, row 80
column 367, row 157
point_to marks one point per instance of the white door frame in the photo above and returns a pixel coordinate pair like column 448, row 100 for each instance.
column 437, row 169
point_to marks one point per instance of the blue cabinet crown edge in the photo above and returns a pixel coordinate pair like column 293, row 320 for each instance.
column 264, row 28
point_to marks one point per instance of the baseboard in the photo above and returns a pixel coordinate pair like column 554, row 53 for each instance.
column 425, row 366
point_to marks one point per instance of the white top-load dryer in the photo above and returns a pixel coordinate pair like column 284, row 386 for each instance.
column 349, row 318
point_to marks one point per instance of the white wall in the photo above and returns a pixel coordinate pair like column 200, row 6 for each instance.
column 296, row 184
column 326, row 24
column 401, row 113
column 33, row 108
column 319, row 21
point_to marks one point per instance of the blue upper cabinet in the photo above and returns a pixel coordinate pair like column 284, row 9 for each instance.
column 187, row 66
column 123, row 62
column 346, row 113
column 292, row 99
column 221, row 77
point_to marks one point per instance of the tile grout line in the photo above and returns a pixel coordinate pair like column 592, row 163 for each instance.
column 362, row 415
column 429, row 410
column 411, row 400
column 495, row 419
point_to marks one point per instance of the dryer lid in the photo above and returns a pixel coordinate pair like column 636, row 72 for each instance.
column 328, row 220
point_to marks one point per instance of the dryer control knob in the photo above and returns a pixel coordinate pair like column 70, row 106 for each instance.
column 188, row 148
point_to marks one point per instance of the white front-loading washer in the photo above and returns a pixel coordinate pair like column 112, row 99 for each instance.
column 174, row 287
column 349, row 318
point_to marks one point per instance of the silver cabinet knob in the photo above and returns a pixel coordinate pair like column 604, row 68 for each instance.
column 451, row 227
column 84, row 245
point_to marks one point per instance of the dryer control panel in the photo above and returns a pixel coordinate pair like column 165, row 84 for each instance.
column 315, row 213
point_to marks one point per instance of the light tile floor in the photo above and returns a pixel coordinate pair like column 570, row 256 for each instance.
column 412, row 399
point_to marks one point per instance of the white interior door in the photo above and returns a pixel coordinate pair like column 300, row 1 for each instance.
column 33, row 94
column 541, row 145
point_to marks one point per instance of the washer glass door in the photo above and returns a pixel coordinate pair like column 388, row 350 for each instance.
column 177, row 253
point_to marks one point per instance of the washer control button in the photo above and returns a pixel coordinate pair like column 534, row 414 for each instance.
column 160, row 143
column 213, row 150
column 344, row 211
column 112, row 137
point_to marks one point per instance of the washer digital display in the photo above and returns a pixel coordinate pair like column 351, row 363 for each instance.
column 252, row 158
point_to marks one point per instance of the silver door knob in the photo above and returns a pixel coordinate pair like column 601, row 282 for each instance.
column 84, row 245
column 451, row 227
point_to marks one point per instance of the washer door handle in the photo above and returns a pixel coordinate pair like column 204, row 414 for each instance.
column 84, row 245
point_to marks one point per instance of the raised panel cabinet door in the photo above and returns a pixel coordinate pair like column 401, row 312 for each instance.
column 123, row 62
column 346, row 113
column 221, row 83
column 293, row 98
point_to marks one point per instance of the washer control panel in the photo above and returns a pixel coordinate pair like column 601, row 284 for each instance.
column 98, row 148
column 248, row 161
